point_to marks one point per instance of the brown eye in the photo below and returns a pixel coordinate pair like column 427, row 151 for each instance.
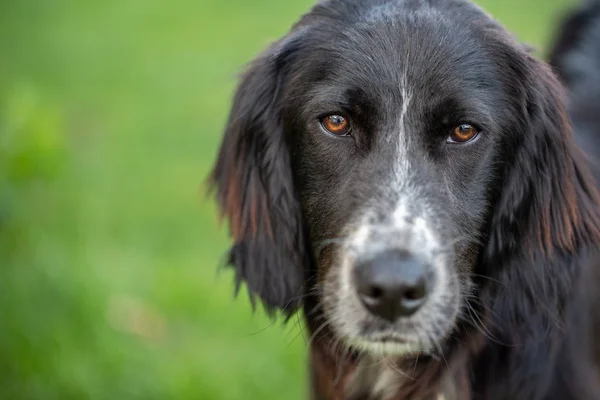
column 463, row 133
column 336, row 125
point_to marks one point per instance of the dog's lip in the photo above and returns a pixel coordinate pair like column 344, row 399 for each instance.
column 387, row 339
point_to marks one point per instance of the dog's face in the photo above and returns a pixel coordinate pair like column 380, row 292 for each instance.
column 371, row 143
column 394, row 125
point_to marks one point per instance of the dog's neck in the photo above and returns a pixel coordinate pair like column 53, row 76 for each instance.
column 366, row 378
column 337, row 375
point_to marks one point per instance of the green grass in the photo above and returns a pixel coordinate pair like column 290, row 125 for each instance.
column 110, row 116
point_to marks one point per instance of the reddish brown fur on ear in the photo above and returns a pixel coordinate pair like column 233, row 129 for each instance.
column 544, row 224
column 255, row 192
column 255, row 203
column 547, row 201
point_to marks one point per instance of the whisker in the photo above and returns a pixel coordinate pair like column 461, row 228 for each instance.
column 470, row 274
column 317, row 331
column 398, row 370
column 441, row 351
column 321, row 245
column 416, row 363
column 478, row 323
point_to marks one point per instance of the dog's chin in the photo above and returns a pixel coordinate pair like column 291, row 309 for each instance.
column 423, row 334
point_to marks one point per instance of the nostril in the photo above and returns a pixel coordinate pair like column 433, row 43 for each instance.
column 412, row 294
column 417, row 292
column 375, row 292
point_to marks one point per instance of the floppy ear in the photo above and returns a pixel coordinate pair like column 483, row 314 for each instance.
column 547, row 201
column 543, row 222
column 255, row 191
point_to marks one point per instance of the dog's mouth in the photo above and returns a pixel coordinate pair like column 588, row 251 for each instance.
column 389, row 338
column 389, row 345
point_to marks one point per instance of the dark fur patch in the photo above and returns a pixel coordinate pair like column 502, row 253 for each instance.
column 256, row 193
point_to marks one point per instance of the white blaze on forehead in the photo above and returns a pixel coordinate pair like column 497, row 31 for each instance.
column 401, row 165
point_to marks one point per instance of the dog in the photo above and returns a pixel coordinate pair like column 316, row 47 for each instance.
column 404, row 172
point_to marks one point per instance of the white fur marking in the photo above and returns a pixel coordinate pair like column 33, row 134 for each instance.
column 388, row 382
column 401, row 215
column 402, row 166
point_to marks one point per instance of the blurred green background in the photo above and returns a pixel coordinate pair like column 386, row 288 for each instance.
column 110, row 116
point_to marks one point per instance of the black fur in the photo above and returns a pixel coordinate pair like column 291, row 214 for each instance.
column 256, row 191
column 525, row 206
column 575, row 56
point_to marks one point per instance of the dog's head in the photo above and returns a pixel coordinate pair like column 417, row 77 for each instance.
column 379, row 154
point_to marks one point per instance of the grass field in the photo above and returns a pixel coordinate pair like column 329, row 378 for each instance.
column 110, row 115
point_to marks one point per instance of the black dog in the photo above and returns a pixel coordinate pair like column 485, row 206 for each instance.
column 405, row 171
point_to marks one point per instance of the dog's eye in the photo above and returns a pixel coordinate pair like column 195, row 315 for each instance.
column 463, row 133
column 336, row 125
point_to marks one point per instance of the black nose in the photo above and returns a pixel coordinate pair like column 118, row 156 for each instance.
column 392, row 285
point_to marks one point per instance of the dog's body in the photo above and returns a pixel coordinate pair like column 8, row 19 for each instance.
column 575, row 56
column 405, row 171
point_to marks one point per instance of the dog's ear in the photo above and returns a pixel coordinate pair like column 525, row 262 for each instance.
column 255, row 190
column 547, row 201
column 543, row 222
